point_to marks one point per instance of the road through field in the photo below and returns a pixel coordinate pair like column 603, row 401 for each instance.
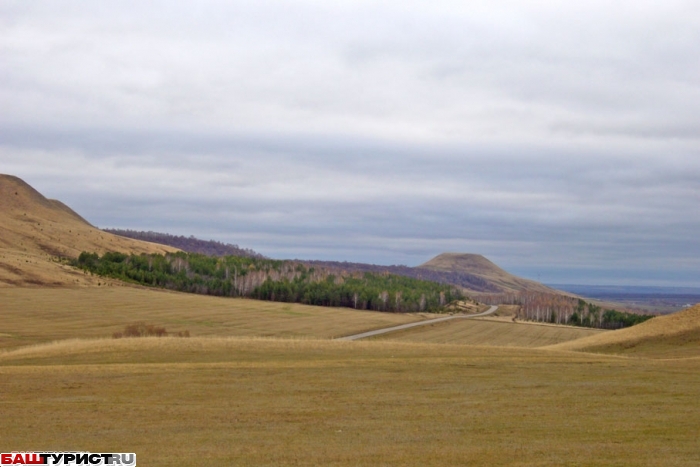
column 419, row 323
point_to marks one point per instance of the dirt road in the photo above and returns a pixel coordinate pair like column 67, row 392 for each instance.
column 419, row 323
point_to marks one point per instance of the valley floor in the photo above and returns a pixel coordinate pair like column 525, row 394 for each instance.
column 240, row 401
column 263, row 384
column 36, row 315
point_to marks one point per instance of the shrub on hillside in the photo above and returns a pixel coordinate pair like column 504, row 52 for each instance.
column 141, row 329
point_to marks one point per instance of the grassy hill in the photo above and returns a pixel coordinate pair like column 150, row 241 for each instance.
column 676, row 335
column 478, row 266
column 35, row 230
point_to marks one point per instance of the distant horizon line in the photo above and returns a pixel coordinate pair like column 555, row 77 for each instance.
column 669, row 289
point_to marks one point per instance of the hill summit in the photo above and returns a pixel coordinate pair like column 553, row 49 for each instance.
column 473, row 273
column 34, row 231
column 478, row 266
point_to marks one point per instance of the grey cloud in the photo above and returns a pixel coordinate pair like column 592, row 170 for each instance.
column 557, row 139
column 244, row 64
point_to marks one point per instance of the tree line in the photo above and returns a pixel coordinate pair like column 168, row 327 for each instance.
column 192, row 244
column 274, row 280
column 455, row 278
column 563, row 309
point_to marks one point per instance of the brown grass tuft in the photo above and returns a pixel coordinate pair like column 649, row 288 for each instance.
column 141, row 329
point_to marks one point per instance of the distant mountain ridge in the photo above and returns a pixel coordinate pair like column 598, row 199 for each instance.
column 189, row 244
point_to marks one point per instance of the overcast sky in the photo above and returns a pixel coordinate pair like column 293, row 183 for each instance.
column 560, row 139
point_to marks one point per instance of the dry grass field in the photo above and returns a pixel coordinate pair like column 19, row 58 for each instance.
column 35, row 315
column 490, row 332
column 271, row 401
column 212, row 400
column 229, row 401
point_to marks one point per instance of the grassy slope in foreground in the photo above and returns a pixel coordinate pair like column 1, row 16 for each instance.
column 676, row 335
column 211, row 401
column 35, row 315
column 33, row 229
